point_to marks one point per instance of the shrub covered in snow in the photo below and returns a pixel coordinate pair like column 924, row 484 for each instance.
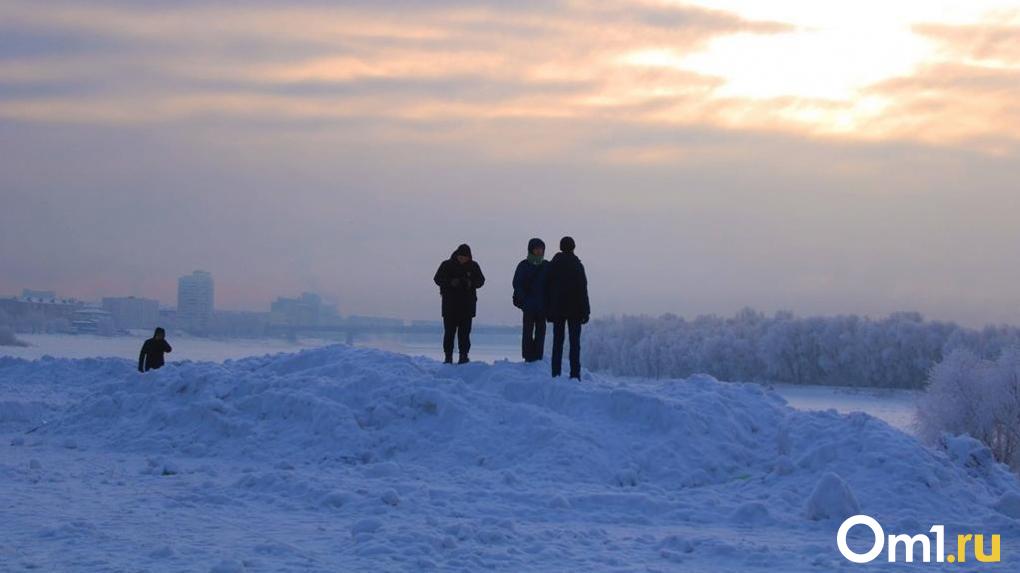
column 895, row 351
column 967, row 394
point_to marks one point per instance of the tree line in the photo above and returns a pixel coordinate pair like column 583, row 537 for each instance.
column 896, row 351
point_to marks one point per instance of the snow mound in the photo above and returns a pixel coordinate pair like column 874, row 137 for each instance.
column 452, row 463
column 389, row 414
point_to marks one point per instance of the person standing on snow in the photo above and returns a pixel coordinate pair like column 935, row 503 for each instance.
column 567, row 305
column 529, row 296
column 151, row 356
column 459, row 278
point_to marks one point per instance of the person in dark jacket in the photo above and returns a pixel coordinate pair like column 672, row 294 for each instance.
column 567, row 305
column 529, row 296
column 151, row 356
column 458, row 277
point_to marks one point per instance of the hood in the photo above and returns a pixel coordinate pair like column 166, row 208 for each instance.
column 463, row 249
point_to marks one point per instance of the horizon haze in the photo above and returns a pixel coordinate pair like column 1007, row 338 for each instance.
column 818, row 157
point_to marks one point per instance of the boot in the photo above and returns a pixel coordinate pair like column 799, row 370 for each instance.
column 449, row 358
column 463, row 359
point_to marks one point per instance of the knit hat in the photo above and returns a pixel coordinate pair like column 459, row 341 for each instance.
column 535, row 243
column 567, row 244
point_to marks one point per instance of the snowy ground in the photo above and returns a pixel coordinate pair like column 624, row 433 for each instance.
column 895, row 407
column 352, row 459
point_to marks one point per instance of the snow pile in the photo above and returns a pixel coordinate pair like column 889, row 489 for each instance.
column 831, row 499
column 419, row 465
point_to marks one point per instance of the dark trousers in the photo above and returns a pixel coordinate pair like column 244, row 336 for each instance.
column 460, row 328
column 533, row 337
column 574, row 326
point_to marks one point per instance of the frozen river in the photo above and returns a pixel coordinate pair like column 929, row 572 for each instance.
column 896, row 407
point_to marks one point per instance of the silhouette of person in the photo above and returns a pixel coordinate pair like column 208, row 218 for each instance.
column 567, row 305
column 459, row 279
column 151, row 356
column 529, row 296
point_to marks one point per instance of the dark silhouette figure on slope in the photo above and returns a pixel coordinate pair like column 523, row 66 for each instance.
column 151, row 356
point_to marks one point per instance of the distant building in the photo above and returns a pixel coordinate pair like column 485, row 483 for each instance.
column 306, row 310
column 92, row 320
column 195, row 297
column 240, row 324
column 39, row 295
column 168, row 318
column 38, row 314
column 132, row 312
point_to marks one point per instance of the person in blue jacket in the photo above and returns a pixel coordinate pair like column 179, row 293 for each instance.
column 529, row 296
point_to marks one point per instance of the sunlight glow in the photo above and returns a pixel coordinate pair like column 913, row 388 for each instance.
column 821, row 74
column 816, row 64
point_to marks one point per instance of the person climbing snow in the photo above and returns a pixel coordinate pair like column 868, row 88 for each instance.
column 567, row 305
column 529, row 296
column 151, row 356
column 459, row 279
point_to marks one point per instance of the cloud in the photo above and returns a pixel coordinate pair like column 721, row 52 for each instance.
column 447, row 61
column 450, row 69
column 966, row 97
column 993, row 43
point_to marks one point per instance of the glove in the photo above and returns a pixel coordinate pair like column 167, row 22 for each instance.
column 454, row 282
column 584, row 319
column 518, row 303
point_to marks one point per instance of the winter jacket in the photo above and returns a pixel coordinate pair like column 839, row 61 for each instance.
column 151, row 356
column 529, row 286
column 460, row 299
column 566, row 289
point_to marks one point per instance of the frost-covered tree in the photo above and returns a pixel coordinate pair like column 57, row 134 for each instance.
column 967, row 394
column 896, row 351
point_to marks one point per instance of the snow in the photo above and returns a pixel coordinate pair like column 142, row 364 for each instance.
column 831, row 499
column 1009, row 505
column 341, row 458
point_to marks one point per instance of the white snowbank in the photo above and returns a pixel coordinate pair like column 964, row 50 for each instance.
column 414, row 464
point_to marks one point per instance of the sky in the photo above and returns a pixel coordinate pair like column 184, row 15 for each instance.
column 822, row 157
